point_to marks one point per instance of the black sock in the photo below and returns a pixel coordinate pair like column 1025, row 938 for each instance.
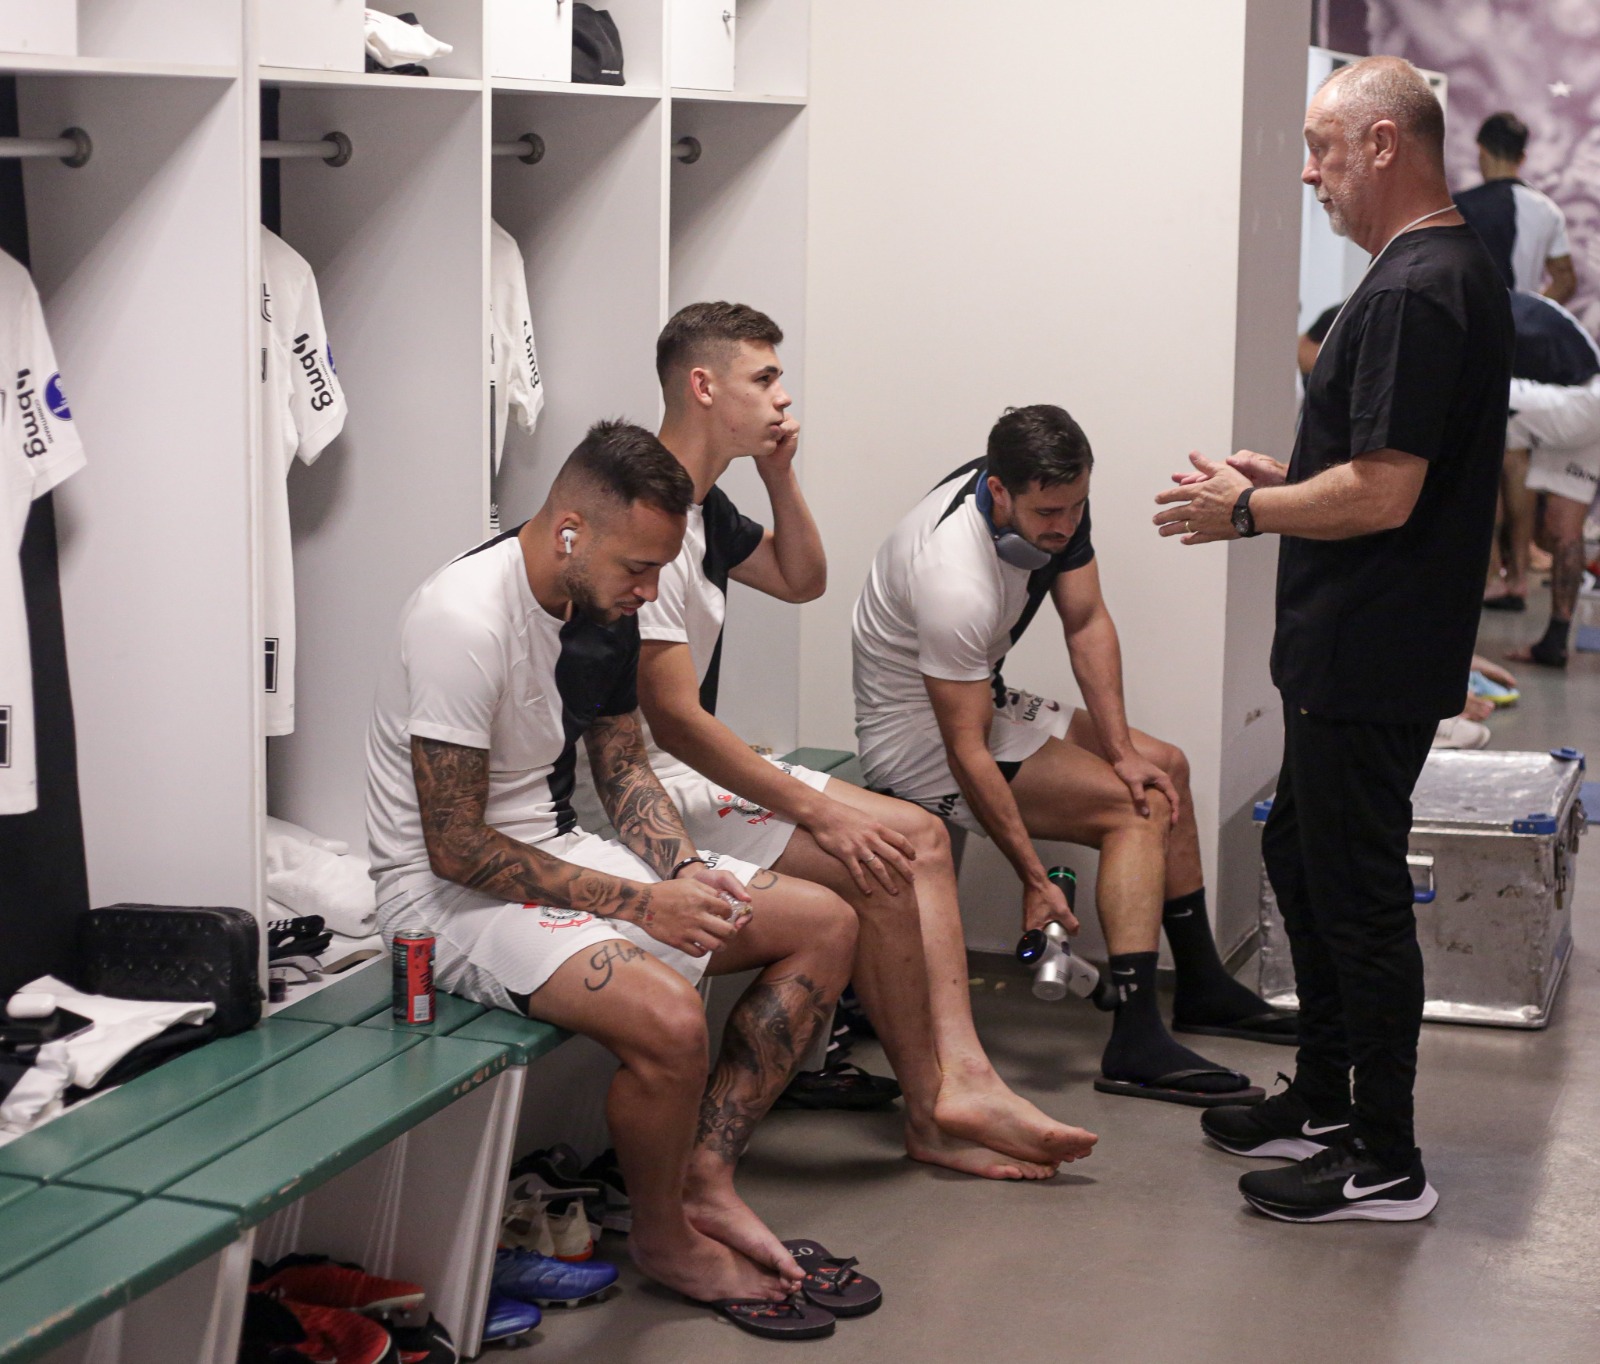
column 1555, row 637
column 1205, row 993
column 1141, row 1048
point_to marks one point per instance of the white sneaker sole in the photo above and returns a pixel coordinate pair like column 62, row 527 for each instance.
column 1283, row 1148
column 1372, row 1210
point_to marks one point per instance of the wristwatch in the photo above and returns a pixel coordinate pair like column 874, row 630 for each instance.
column 1244, row 524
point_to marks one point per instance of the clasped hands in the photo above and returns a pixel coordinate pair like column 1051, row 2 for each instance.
column 1200, row 507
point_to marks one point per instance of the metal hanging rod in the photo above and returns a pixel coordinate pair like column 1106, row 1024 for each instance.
column 72, row 147
column 686, row 150
column 334, row 148
column 529, row 149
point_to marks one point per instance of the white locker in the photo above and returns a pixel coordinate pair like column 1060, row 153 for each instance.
column 531, row 39
column 39, row 26
column 703, row 43
column 322, row 35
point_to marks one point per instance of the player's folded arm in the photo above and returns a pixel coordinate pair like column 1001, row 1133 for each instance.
column 639, row 808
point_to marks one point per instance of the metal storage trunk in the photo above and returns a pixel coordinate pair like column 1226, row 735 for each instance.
column 1494, row 838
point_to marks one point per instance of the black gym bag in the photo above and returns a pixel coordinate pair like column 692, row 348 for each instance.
column 596, row 47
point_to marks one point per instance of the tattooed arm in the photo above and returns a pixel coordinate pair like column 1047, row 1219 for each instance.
column 642, row 813
column 453, row 793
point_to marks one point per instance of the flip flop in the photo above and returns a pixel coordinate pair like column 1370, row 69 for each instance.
column 789, row 1319
column 1278, row 1026
column 832, row 1281
column 1507, row 602
column 1166, row 1089
column 844, row 1086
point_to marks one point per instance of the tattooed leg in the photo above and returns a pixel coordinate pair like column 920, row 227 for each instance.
column 805, row 937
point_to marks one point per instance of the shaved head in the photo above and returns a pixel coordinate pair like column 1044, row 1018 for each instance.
column 1378, row 88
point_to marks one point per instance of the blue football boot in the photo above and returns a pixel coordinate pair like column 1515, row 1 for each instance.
column 507, row 1320
column 532, row 1277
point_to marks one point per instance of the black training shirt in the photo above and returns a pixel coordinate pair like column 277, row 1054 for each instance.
column 1552, row 346
column 1381, row 627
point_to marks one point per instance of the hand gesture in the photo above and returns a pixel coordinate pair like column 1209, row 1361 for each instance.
column 1262, row 470
column 1201, row 508
column 782, row 454
column 1044, row 904
column 1139, row 774
column 696, row 914
column 869, row 851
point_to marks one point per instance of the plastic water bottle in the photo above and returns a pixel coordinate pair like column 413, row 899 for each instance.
column 1056, row 971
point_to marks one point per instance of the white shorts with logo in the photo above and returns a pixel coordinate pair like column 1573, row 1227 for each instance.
column 1021, row 726
column 488, row 950
column 715, row 817
column 1559, row 426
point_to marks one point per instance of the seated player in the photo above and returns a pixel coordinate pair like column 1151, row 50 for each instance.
column 725, row 400
column 951, row 590
column 506, row 658
column 1554, row 432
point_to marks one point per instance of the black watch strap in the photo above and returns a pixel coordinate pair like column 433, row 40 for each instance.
column 1244, row 521
column 681, row 864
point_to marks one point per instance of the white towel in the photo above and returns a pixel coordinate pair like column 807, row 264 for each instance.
column 309, row 880
column 393, row 42
column 120, row 1025
column 281, row 827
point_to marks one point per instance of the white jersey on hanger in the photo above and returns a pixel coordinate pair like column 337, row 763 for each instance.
column 38, row 448
column 302, row 409
column 513, row 363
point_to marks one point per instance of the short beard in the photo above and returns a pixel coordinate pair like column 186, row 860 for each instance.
column 585, row 604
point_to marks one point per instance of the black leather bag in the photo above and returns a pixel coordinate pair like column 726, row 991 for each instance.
column 168, row 952
column 596, row 47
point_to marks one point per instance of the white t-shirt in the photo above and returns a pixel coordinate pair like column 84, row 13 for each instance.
column 939, row 602
column 476, row 664
column 302, row 410
column 38, row 448
column 692, row 599
column 1541, row 235
column 513, row 363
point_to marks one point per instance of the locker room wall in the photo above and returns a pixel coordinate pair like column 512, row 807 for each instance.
column 1056, row 209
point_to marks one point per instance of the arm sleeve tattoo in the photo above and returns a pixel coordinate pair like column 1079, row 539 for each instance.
column 452, row 793
column 642, row 813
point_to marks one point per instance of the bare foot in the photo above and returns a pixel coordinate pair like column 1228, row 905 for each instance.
column 700, row 1268
column 715, row 1210
column 991, row 1114
column 925, row 1142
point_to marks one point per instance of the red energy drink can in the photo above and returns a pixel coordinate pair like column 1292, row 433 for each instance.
column 413, row 977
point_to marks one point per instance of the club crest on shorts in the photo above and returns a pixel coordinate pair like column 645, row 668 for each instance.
column 729, row 804
column 554, row 919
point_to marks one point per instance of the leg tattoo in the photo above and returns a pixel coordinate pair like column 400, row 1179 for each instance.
column 768, row 1031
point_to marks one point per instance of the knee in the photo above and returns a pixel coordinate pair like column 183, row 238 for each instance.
column 831, row 925
column 672, row 1039
column 1175, row 763
column 927, row 834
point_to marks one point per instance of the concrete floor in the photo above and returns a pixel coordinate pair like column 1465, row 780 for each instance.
column 1145, row 1252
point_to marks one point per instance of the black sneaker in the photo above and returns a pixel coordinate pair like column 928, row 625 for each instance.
column 1344, row 1183
column 1282, row 1126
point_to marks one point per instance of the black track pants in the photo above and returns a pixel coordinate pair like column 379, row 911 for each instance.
column 1335, row 850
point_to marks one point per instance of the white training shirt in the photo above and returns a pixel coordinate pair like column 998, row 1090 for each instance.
column 514, row 380
column 939, row 602
column 38, row 448
column 1541, row 235
column 302, row 410
column 476, row 664
column 692, row 600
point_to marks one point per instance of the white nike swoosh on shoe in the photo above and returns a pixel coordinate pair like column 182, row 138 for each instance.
column 1308, row 1130
column 1352, row 1190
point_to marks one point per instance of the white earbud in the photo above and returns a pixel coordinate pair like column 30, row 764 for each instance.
column 567, row 537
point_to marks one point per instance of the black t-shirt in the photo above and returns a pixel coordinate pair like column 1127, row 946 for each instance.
column 1552, row 346
column 1491, row 211
column 1381, row 627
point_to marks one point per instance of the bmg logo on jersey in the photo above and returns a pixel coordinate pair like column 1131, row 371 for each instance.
column 36, row 437
column 311, row 362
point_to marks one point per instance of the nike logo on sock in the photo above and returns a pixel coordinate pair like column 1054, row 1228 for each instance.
column 1352, row 1190
column 1308, row 1130
column 1185, row 914
column 1123, row 973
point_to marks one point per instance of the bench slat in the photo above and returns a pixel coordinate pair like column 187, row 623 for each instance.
column 367, row 990
column 92, row 1129
column 12, row 1188
column 527, row 1038
column 184, row 1144
column 50, row 1217
column 65, row 1293
column 305, row 1150
column 450, row 1013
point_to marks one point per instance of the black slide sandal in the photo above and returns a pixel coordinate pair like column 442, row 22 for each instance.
column 845, row 1086
column 787, row 1319
column 1163, row 1088
column 832, row 1281
column 1278, row 1026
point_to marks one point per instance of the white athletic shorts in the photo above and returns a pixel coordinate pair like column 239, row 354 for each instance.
column 736, row 826
column 1022, row 725
column 489, row 951
column 1560, row 428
